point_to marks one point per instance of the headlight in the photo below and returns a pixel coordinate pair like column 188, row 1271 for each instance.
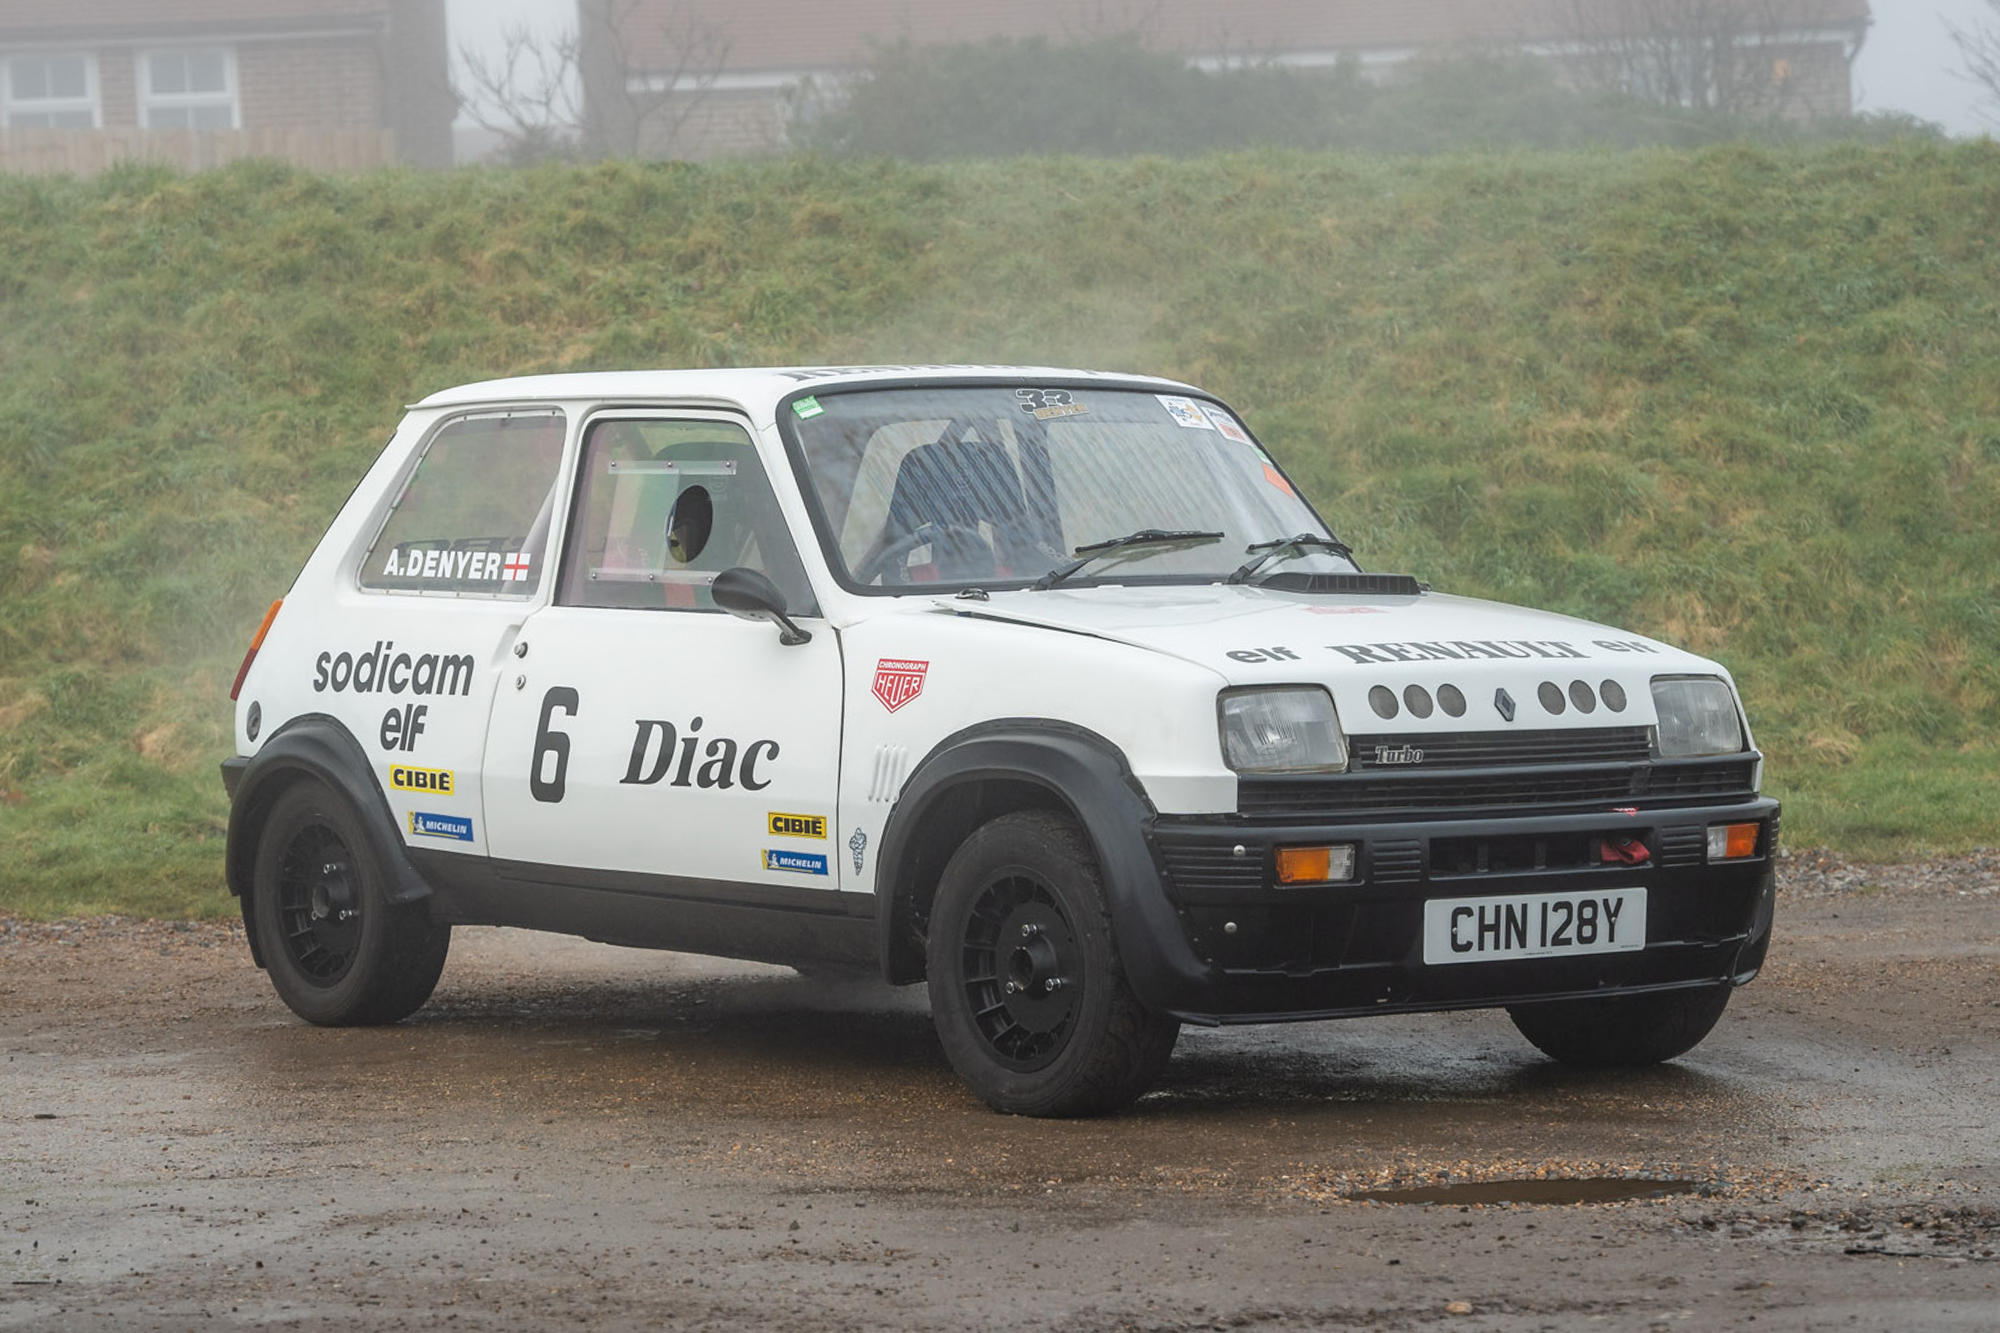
column 1287, row 730
column 1697, row 716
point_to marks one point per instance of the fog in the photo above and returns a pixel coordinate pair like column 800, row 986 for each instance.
column 1908, row 63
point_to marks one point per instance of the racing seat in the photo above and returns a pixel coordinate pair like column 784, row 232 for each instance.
column 944, row 492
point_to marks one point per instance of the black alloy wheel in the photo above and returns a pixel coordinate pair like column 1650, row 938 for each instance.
column 319, row 903
column 339, row 953
column 1023, row 970
column 1027, row 989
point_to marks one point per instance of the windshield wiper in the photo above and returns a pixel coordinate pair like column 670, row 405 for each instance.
column 1143, row 537
column 1263, row 551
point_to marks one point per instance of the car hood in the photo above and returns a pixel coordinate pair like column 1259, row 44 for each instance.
column 1386, row 660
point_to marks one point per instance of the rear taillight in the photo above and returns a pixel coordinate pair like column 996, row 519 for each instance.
column 255, row 644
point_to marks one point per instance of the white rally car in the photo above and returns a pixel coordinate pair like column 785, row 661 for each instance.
column 1044, row 686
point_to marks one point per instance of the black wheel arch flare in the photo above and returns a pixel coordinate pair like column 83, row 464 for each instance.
column 1068, row 768
column 312, row 746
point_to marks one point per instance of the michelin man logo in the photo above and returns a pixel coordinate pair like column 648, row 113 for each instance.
column 857, row 844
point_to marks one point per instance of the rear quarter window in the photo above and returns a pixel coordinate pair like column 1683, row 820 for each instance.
column 474, row 516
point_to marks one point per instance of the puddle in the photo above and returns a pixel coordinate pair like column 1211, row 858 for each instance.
column 1580, row 1189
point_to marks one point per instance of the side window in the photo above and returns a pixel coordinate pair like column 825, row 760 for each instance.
column 474, row 515
column 664, row 507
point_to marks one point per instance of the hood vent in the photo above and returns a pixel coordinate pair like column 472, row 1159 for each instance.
column 1353, row 585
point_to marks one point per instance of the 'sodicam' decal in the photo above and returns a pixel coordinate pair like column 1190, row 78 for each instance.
column 797, row 826
column 456, row 827
column 405, row 778
column 799, row 863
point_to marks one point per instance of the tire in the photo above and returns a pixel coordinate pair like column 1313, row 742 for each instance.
column 1622, row 1030
column 339, row 953
column 1021, row 906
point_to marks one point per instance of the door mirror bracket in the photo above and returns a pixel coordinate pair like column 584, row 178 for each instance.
column 751, row 595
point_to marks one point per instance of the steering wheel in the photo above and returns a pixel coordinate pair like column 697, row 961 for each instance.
column 888, row 562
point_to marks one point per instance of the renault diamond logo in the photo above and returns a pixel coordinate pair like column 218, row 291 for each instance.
column 1505, row 703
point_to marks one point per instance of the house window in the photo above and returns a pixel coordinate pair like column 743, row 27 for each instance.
column 49, row 92
column 188, row 90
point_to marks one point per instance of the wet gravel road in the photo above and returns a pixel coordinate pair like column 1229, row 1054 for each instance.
column 573, row 1135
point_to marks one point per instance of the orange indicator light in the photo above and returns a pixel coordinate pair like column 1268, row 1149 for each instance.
column 1315, row 865
column 255, row 644
column 1731, row 842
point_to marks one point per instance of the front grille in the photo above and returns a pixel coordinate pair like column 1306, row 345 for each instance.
column 1494, row 789
column 1211, row 867
column 1683, row 845
column 1506, row 749
column 1398, row 862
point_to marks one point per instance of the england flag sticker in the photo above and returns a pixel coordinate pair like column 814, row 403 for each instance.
column 515, row 570
column 897, row 682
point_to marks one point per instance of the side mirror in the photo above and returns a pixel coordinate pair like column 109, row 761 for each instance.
column 749, row 594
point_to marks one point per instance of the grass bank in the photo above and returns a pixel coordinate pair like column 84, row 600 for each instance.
column 1741, row 399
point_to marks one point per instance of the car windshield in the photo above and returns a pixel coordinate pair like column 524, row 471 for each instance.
column 989, row 486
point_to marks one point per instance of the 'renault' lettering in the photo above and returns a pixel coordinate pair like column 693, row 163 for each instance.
column 1456, row 650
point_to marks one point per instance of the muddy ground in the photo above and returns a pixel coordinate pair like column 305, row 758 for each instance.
column 574, row 1135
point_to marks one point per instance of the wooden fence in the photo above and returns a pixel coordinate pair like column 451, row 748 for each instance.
column 87, row 152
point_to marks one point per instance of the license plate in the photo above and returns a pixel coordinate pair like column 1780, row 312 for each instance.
column 1534, row 925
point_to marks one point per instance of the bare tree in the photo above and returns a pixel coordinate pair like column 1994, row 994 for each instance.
column 1738, row 57
column 528, row 94
column 1979, row 46
column 639, row 104
column 585, row 93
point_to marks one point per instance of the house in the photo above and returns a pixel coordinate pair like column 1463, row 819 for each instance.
column 326, row 83
column 721, row 71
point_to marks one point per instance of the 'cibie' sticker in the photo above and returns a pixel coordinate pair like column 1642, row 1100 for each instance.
column 797, row 826
column 456, row 827
column 405, row 778
column 897, row 682
column 799, row 863
column 1185, row 411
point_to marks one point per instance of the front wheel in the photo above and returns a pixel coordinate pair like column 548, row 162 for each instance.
column 1622, row 1029
column 339, row 953
column 1027, row 990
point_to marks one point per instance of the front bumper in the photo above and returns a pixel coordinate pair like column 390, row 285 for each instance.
column 1271, row 954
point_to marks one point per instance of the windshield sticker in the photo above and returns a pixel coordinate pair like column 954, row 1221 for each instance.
column 1185, row 411
column 897, row 682
column 1231, row 429
column 1277, row 478
column 1048, row 404
column 807, row 408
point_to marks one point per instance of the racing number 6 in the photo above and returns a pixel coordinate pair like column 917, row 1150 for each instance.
column 548, row 743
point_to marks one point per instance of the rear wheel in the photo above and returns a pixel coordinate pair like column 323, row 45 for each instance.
column 1027, row 990
column 1622, row 1029
column 339, row 953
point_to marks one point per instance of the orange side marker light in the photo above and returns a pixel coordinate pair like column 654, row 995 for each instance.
column 255, row 644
